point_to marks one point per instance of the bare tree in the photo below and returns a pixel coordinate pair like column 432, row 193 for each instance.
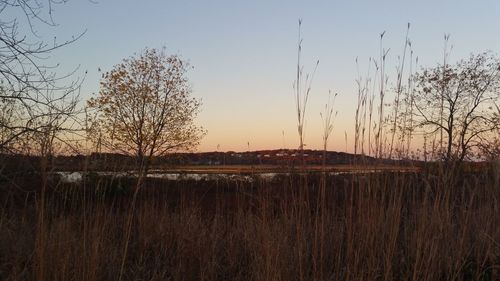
column 489, row 145
column 30, row 90
column 37, row 104
column 144, row 107
column 463, row 96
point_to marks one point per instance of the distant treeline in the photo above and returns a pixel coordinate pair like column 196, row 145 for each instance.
column 114, row 161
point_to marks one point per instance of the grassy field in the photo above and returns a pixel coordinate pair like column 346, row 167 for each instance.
column 433, row 224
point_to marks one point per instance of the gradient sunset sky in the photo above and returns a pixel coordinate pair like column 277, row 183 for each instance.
column 244, row 54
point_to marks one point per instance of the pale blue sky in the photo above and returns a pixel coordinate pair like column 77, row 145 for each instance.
column 244, row 53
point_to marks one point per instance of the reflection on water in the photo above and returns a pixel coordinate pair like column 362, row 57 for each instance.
column 76, row 177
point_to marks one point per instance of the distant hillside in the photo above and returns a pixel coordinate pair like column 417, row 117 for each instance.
column 268, row 157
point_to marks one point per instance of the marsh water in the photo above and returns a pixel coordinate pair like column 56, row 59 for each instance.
column 77, row 176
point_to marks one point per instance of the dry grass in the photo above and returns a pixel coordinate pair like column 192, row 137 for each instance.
column 387, row 226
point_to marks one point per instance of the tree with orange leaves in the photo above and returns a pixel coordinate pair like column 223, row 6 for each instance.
column 145, row 108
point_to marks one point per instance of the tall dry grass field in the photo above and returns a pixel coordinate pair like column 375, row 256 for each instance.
column 384, row 226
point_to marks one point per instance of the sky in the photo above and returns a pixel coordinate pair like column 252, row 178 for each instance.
column 244, row 54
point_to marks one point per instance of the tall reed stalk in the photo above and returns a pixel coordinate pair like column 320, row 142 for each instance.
column 399, row 90
column 379, row 137
column 302, row 88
